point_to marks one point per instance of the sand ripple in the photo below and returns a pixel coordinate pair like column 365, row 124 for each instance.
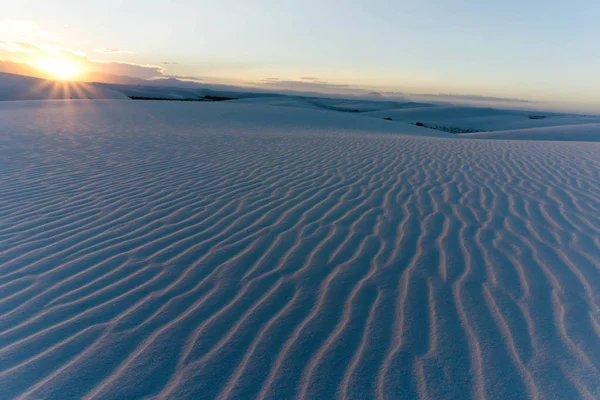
column 180, row 254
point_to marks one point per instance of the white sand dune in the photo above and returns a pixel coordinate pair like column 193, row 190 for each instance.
column 459, row 117
column 18, row 87
column 483, row 119
column 332, row 104
column 221, row 250
column 578, row 133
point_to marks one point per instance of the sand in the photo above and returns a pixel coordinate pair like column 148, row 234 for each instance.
column 215, row 250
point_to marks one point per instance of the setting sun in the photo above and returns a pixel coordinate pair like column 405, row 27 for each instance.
column 62, row 69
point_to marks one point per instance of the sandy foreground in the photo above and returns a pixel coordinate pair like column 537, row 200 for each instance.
column 214, row 250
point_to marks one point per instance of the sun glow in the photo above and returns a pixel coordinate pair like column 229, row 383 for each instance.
column 61, row 69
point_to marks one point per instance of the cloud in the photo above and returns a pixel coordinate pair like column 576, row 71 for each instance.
column 315, row 86
column 113, row 51
column 183, row 77
column 142, row 71
column 18, row 46
column 472, row 97
column 310, row 85
column 269, row 80
column 170, row 63
column 34, row 52
column 392, row 94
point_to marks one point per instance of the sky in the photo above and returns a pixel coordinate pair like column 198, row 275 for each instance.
column 544, row 51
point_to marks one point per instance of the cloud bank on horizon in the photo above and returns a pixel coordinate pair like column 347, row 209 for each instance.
column 466, row 51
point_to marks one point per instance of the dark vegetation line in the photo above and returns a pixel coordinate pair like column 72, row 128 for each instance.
column 333, row 108
column 204, row 98
column 458, row 131
column 448, row 129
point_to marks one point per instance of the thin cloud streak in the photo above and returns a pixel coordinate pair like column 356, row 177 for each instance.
column 113, row 51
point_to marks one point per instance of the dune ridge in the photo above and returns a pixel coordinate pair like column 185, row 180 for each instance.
column 580, row 133
column 164, row 251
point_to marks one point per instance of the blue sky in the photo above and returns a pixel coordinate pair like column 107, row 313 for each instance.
column 536, row 50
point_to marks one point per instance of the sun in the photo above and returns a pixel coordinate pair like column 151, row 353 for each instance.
column 61, row 69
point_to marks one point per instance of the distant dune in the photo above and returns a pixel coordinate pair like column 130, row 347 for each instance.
column 18, row 87
column 483, row 119
column 579, row 133
column 448, row 119
column 457, row 119
column 185, row 250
